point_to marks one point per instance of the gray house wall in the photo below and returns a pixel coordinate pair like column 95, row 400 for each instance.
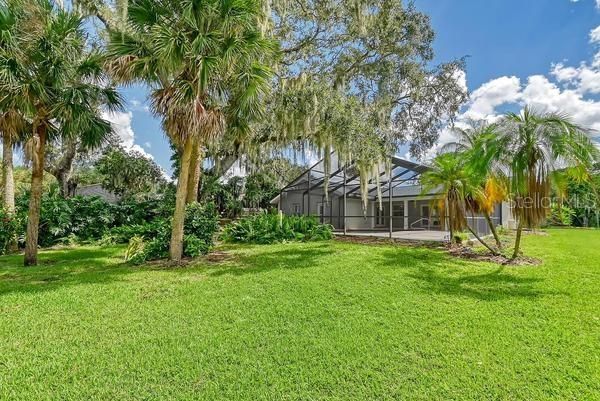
column 97, row 190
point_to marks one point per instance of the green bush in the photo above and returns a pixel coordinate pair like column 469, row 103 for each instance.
column 201, row 223
column 79, row 219
column 148, row 230
column 89, row 219
column 9, row 230
column 268, row 228
column 561, row 215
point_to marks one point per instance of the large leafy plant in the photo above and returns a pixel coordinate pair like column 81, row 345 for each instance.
column 268, row 228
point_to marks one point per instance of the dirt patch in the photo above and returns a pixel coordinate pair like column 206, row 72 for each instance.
column 218, row 257
column 465, row 252
column 386, row 241
column 213, row 257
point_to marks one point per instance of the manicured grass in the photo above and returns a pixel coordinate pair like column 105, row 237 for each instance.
column 333, row 321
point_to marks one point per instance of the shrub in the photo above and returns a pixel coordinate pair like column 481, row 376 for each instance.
column 78, row 219
column 268, row 228
column 201, row 223
column 202, row 220
column 148, row 230
column 135, row 248
column 9, row 230
column 87, row 219
column 461, row 238
column 561, row 215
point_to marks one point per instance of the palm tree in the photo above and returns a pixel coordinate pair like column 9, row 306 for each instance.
column 206, row 62
column 479, row 143
column 449, row 176
column 535, row 145
column 58, row 82
column 12, row 128
column 12, row 121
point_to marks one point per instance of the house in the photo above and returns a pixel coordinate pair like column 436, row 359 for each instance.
column 402, row 206
column 99, row 191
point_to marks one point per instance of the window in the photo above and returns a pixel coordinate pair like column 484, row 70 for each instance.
column 398, row 209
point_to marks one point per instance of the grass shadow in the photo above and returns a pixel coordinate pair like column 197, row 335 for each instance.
column 440, row 273
column 62, row 267
column 288, row 258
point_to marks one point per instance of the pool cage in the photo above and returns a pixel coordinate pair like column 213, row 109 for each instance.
column 402, row 205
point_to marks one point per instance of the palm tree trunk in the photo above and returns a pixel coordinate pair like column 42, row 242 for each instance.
column 493, row 230
column 176, row 248
column 35, row 199
column 492, row 250
column 195, row 168
column 518, row 241
column 8, row 173
column 8, row 182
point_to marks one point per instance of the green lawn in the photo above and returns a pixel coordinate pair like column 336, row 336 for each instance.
column 313, row 321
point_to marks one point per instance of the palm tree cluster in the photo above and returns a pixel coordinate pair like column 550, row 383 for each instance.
column 205, row 61
column 53, row 85
column 518, row 159
column 207, row 64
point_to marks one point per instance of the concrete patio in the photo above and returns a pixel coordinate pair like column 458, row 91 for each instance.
column 409, row 235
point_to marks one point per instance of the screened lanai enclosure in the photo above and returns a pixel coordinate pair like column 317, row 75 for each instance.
column 402, row 209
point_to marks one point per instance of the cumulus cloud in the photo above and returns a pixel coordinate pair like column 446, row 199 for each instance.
column 566, row 88
column 492, row 94
column 595, row 34
column 121, row 123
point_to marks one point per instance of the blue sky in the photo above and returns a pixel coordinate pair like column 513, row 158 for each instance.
column 538, row 52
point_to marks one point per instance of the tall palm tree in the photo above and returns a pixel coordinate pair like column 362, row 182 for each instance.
column 12, row 127
column 206, row 62
column 12, row 121
column 59, row 83
column 535, row 145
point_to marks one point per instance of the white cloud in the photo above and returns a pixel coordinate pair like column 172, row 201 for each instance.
column 148, row 145
column 121, row 123
column 566, row 89
column 595, row 34
column 584, row 78
column 492, row 94
column 598, row 4
column 544, row 95
column 136, row 105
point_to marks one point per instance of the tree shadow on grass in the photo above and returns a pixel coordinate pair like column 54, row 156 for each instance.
column 436, row 272
column 60, row 267
column 439, row 273
column 92, row 265
column 267, row 260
